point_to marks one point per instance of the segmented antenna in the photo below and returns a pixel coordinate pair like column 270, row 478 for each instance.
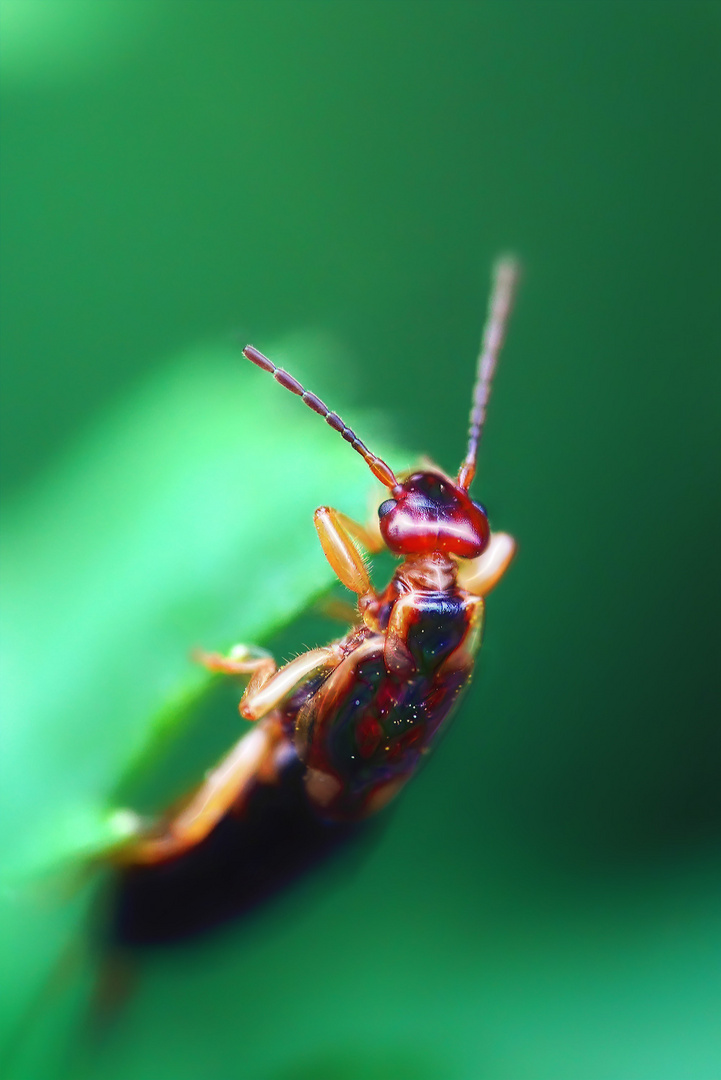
column 505, row 279
column 377, row 465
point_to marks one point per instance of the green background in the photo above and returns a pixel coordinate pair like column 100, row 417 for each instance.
column 545, row 901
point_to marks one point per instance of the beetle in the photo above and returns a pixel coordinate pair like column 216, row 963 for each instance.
column 355, row 718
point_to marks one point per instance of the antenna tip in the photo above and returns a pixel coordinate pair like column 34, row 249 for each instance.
column 256, row 357
column 507, row 267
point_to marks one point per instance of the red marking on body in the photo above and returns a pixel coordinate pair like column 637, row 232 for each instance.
column 368, row 735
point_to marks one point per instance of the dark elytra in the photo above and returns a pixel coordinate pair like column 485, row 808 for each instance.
column 242, row 864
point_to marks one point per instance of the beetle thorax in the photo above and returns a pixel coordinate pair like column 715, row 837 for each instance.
column 431, row 572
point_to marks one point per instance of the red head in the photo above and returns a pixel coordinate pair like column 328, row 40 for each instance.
column 428, row 512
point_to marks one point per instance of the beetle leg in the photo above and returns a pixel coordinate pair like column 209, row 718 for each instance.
column 481, row 575
column 261, row 668
column 342, row 610
column 260, row 697
column 224, row 787
column 336, row 532
column 396, row 654
column 251, row 758
column 241, row 660
column 269, row 684
column 369, row 534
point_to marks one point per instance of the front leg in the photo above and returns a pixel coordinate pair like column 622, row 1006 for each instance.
column 480, row 575
column 335, row 532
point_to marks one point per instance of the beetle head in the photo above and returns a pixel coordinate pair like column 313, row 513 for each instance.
column 428, row 512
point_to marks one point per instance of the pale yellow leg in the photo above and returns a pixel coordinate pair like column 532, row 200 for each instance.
column 481, row 575
column 250, row 758
column 341, row 610
column 268, row 684
column 335, row 534
column 225, row 785
column 240, row 661
column 368, row 534
column 261, row 698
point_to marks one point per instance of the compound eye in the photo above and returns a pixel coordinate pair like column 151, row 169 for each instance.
column 386, row 507
column 481, row 507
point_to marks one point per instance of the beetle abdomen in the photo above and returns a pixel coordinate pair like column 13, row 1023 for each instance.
column 369, row 729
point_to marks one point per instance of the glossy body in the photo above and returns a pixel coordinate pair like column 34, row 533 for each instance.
column 341, row 746
column 354, row 719
column 365, row 729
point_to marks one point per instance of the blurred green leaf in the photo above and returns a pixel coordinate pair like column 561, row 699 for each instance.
column 66, row 40
column 182, row 519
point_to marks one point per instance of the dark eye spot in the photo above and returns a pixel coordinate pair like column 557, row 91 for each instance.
column 481, row 507
column 386, row 507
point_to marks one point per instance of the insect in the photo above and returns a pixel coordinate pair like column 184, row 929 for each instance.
column 357, row 717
